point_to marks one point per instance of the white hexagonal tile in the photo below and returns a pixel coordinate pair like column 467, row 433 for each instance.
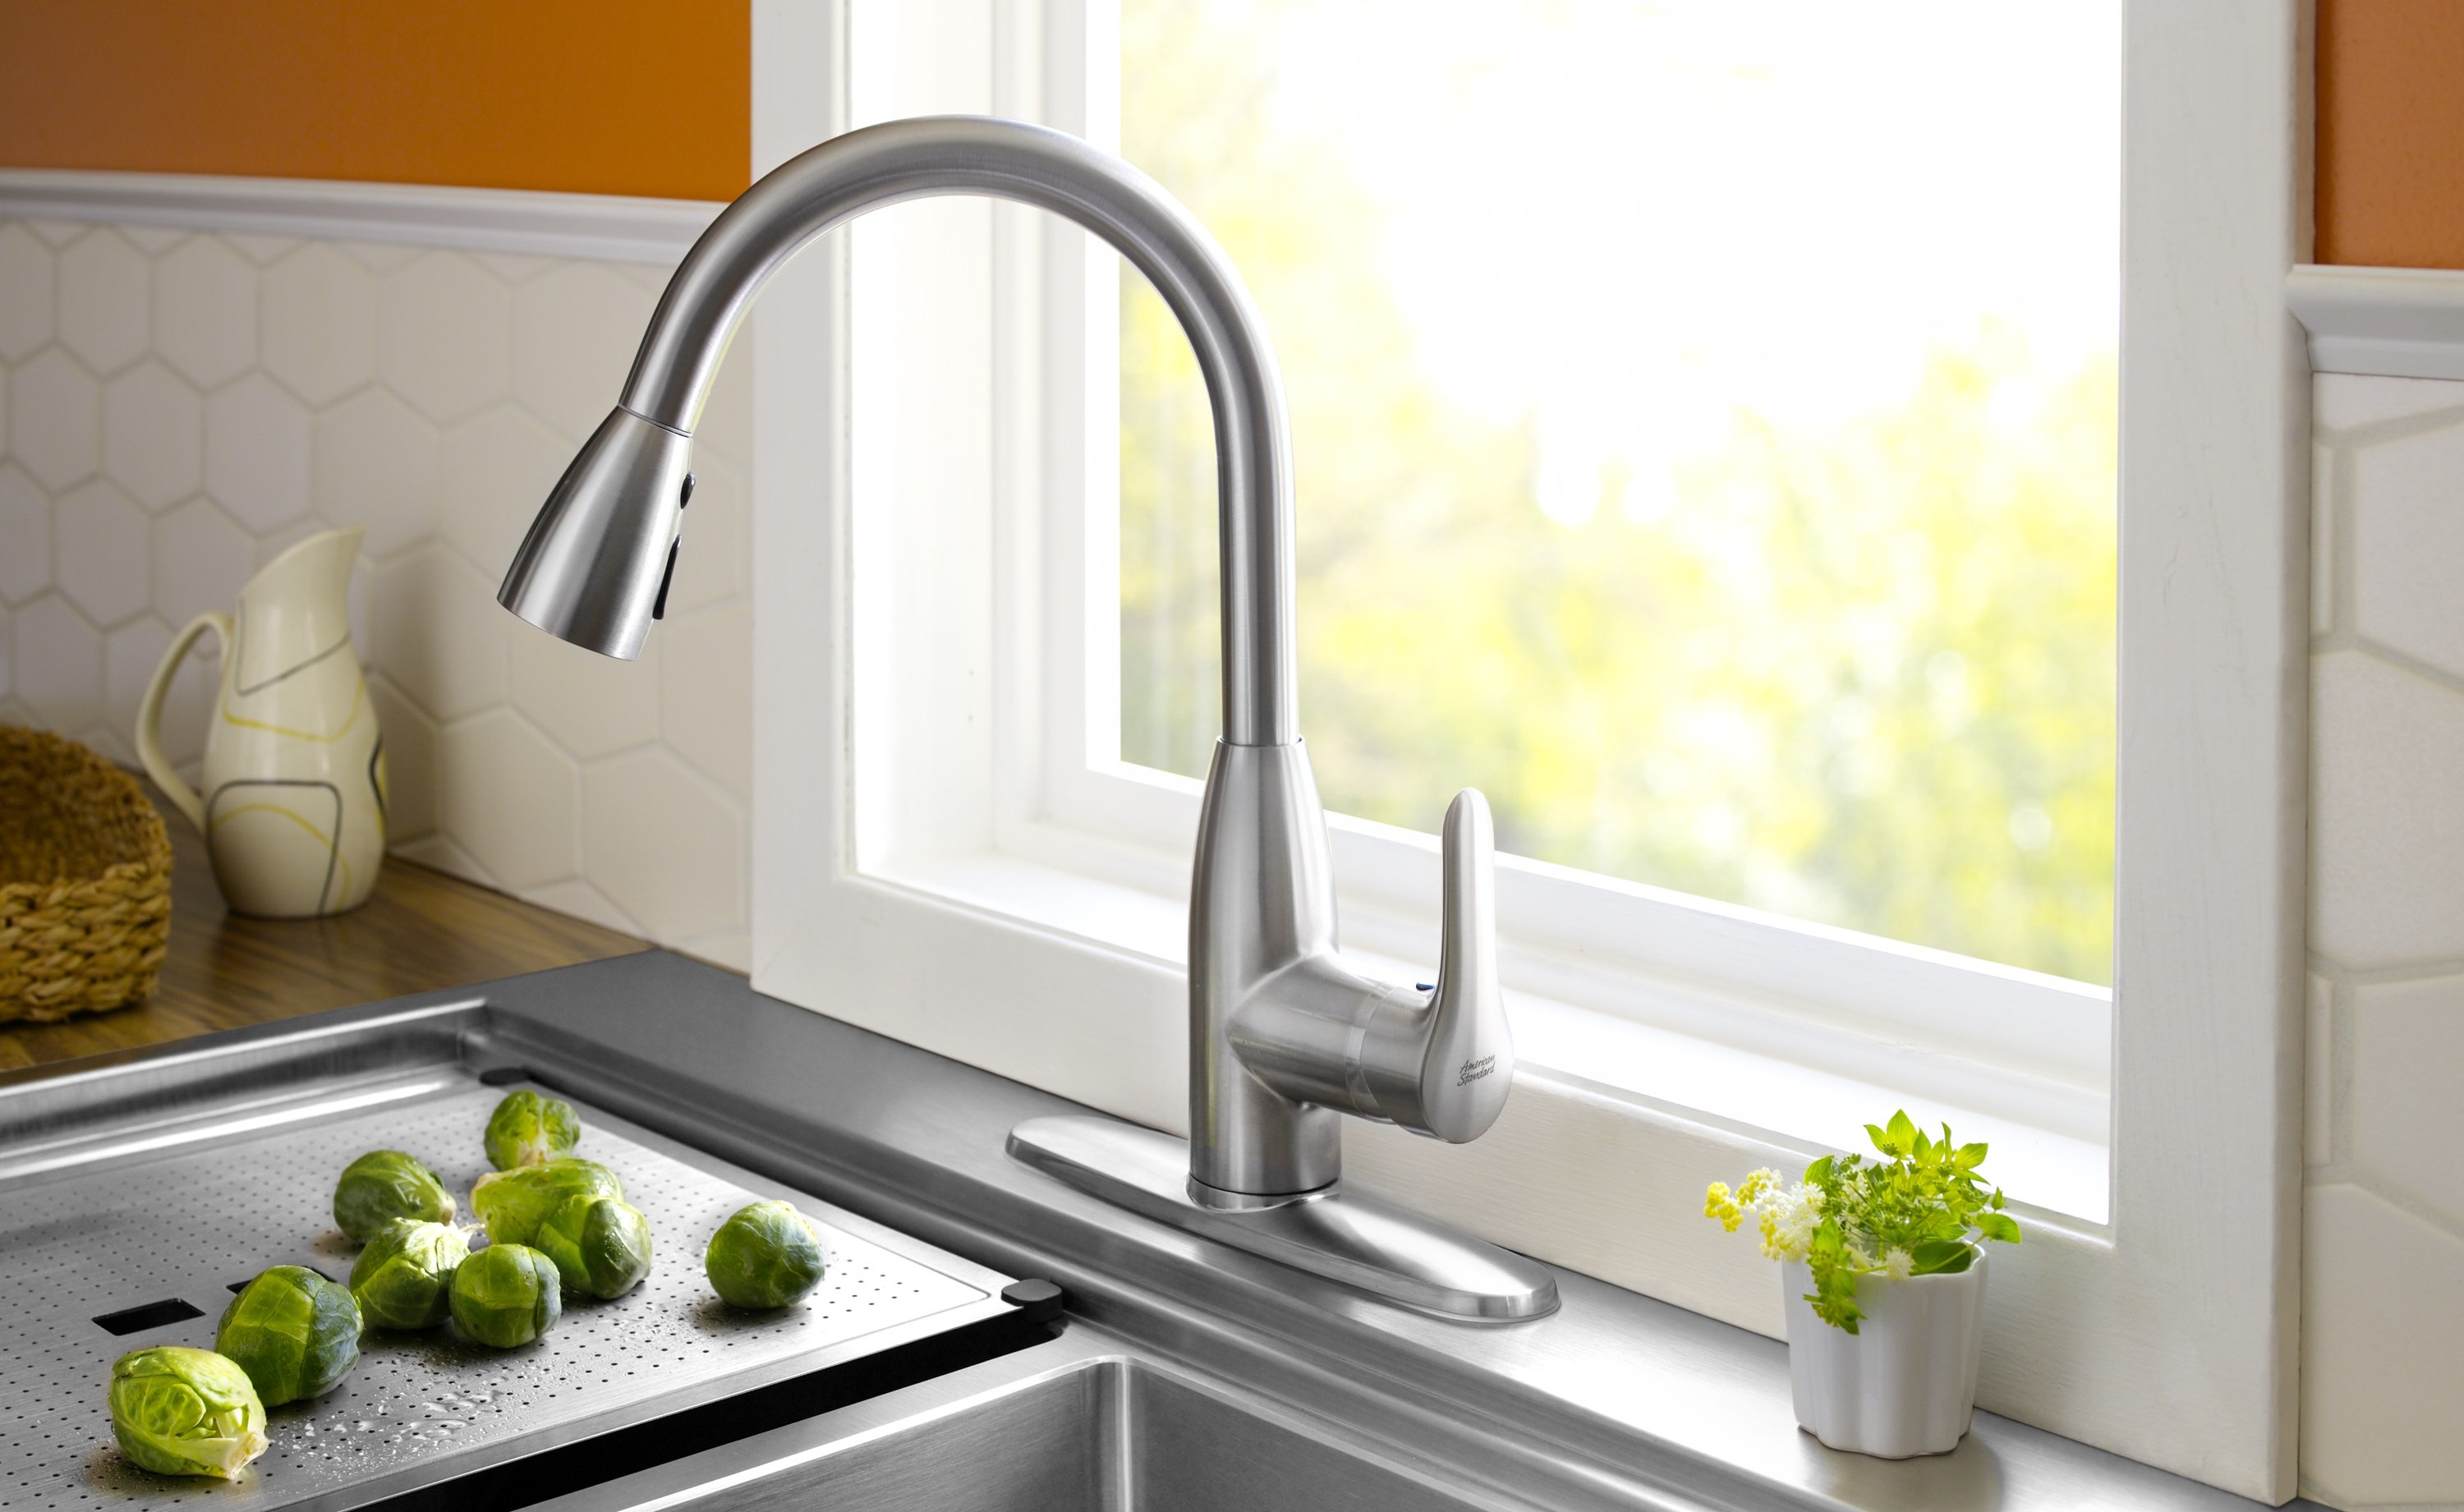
column 589, row 704
column 509, row 798
column 2343, row 402
column 411, row 762
column 201, row 559
column 8, row 663
column 153, row 435
column 273, row 543
column 706, row 692
column 3, row 411
column 442, row 336
column 25, row 536
column 55, row 419
column 56, row 234
column 98, row 553
column 435, row 630
column 59, row 665
column 498, row 468
column 664, row 845
column 2381, row 1335
column 153, row 240
column 2318, row 1072
column 317, row 324
column 2322, row 537
column 129, row 661
column 129, row 656
column 437, row 851
column 256, row 453
column 729, row 949
column 2407, row 1121
column 375, row 466
column 105, row 306
column 512, row 267
column 24, row 293
column 379, row 257
column 2387, row 815
column 725, row 430
column 711, row 565
column 574, row 334
column 583, row 900
column 204, row 310
column 108, row 743
column 2408, row 510
column 262, row 250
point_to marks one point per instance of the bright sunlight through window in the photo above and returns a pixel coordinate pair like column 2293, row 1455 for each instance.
column 1706, row 418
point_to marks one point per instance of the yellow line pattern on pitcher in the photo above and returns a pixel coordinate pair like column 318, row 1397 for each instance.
column 359, row 697
column 332, row 849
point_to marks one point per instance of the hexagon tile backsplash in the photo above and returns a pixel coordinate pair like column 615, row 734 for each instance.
column 2382, row 1247
column 176, row 407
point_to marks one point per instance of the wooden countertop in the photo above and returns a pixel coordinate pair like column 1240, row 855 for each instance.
column 420, row 930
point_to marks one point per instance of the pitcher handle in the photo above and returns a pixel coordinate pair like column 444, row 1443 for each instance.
column 149, row 715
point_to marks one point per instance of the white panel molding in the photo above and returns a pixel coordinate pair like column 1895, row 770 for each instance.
column 610, row 226
column 2381, row 322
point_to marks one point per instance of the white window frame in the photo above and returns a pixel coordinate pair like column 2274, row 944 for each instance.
column 937, row 858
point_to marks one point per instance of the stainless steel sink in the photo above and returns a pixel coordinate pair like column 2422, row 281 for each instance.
column 1084, row 1423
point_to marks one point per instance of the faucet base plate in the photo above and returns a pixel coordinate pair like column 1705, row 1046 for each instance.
column 1359, row 1241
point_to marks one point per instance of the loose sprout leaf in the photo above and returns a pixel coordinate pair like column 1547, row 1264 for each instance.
column 183, row 1412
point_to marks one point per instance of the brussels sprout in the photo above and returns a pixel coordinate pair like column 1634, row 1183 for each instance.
column 402, row 1277
column 528, row 1130
column 295, row 1333
column 181, row 1411
column 513, row 1203
column 601, row 1246
column 385, row 1185
column 766, row 1256
column 506, row 1294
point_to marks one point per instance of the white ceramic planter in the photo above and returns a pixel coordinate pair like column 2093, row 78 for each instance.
column 1904, row 1384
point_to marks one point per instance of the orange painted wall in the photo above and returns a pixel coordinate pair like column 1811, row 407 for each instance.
column 653, row 96
column 2391, row 187
column 608, row 97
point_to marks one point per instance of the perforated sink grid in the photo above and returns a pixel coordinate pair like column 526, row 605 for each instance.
column 188, row 1224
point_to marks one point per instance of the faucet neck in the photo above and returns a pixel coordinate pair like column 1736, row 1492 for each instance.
column 862, row 170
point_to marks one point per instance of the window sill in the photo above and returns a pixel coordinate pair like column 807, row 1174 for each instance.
column 2047, row 1137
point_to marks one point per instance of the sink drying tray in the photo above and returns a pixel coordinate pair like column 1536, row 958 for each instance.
column 175, row 1214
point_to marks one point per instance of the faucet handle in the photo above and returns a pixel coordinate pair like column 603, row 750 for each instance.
column 1442, row 1064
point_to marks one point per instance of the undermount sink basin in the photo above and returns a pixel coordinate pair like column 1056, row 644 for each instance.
column 1115, row 1432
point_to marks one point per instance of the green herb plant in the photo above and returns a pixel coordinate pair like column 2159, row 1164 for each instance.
column 1920, row 1210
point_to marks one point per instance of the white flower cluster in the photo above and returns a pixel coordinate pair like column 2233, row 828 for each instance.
column 1787, row 1215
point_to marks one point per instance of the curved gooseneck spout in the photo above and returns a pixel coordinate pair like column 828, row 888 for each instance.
column 906, row 159
column 1285, row 1038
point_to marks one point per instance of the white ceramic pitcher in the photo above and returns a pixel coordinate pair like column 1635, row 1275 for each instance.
column 292, row 810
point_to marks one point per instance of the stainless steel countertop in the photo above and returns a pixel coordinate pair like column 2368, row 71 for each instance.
column 1616, row 1401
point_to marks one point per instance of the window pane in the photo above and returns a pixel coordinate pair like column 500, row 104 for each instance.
column 1706, row 417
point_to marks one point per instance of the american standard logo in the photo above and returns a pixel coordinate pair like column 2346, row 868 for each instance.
column 1471, row 1071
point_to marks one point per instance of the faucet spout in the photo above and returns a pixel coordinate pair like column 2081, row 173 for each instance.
column 905, row 159
column 1284, row 1040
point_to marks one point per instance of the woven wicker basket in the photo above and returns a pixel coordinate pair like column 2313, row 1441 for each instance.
column 85, row 881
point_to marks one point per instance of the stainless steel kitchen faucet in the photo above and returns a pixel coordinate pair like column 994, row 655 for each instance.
column 1284, row 1037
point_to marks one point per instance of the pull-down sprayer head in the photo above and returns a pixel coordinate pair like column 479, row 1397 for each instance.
column 593, row 569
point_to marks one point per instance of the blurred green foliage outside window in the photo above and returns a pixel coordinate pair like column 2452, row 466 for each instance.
column 1706, row 419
